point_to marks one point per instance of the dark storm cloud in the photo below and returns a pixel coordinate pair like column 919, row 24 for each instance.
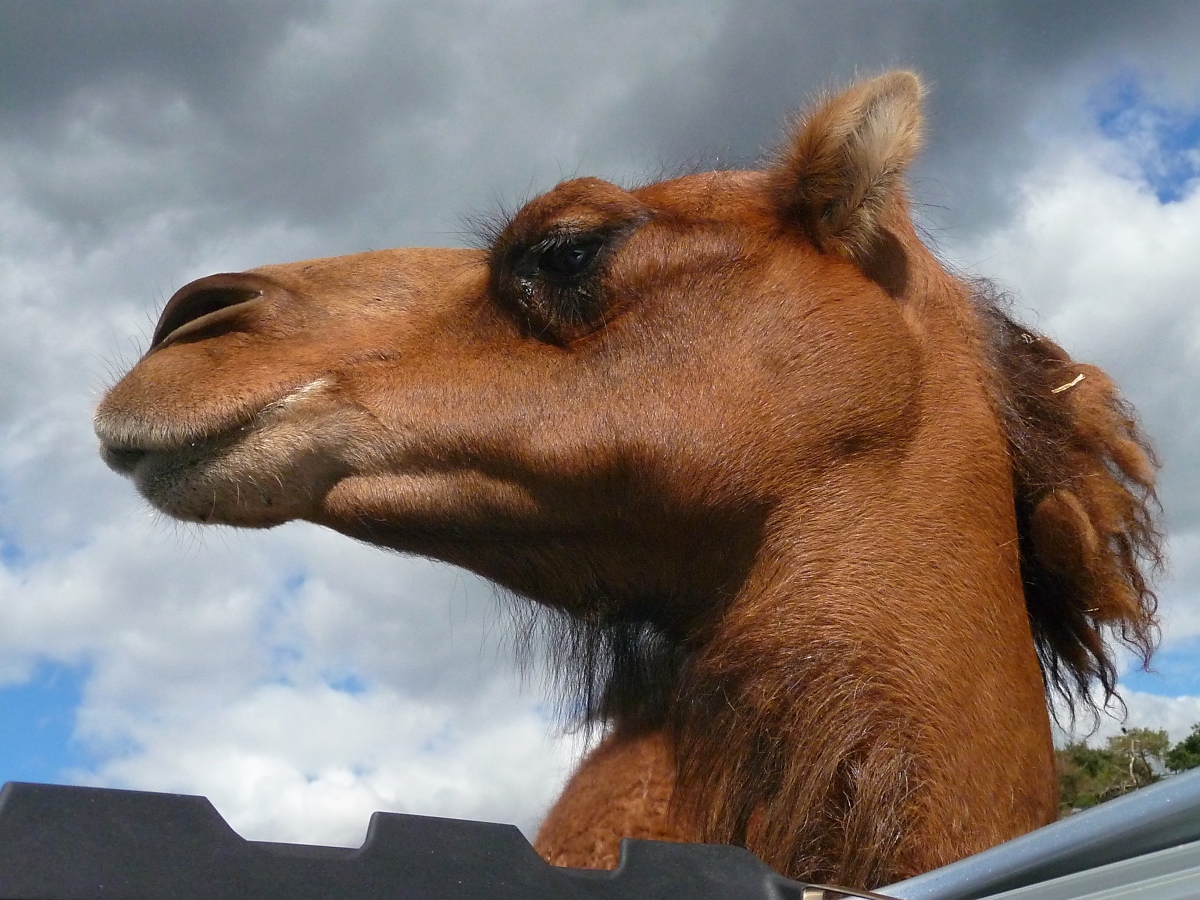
column 347, row 116
column 268, row 110
column 51, row 51
column 990, row 67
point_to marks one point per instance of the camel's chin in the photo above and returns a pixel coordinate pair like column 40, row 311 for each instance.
column 218, row 489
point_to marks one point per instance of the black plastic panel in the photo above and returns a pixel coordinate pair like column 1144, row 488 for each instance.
column 75, row 843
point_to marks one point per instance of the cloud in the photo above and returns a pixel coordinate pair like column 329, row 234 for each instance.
column 49, row 54
column 1175, row 715
column 298, row 680
column 310, row 763
column 1110, row 270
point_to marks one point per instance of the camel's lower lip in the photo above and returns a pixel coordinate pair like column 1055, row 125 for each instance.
column 124, row 448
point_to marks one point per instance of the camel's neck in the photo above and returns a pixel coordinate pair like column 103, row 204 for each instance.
column 879, row 656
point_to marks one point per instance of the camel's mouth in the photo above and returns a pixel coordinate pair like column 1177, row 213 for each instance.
column 129, row 461
column 126, row 455
column 126, row 438
column 123, row 462
column 235, row 473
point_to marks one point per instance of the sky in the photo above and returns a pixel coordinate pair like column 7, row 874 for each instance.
column 301, row 680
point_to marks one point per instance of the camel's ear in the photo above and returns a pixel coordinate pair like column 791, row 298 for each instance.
column 845, row 160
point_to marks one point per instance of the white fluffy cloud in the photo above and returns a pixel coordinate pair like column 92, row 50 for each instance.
column 311, row 763
column 297, row 679
column 1175, row 715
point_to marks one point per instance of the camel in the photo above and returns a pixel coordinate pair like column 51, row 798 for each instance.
column 818, row 524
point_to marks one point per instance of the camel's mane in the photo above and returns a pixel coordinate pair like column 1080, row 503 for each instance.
column 1083, row 479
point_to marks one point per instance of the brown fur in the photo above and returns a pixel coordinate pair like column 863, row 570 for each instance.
column 815, row 523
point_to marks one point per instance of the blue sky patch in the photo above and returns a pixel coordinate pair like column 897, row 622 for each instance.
column 1165, row 142
column 1176, row 672
column 349, row 684
column 10, row 552
column 37, row 725
column 287, row 646
column 294, row 582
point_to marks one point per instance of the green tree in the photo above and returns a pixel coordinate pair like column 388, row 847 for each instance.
column 1083, row 775
column 1128, row 761
column 1186, row 754
column 1137, row 751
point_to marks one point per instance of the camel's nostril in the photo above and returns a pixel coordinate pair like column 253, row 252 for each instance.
column 202, row 298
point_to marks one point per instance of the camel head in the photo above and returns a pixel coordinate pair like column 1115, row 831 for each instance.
column 606, row 405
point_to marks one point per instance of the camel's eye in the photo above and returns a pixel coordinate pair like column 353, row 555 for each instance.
column 567, row 260
column 553, row 282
